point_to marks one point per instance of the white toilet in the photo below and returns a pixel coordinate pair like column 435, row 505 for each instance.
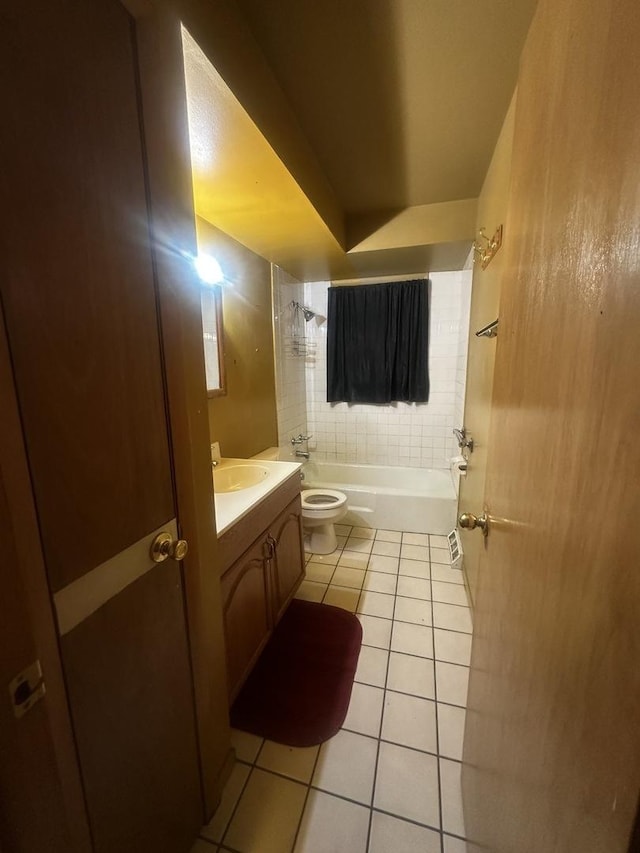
column 321, row 509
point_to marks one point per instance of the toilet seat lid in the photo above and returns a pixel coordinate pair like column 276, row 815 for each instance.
column 322, row 498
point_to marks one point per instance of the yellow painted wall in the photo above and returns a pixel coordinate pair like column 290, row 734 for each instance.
column 244, row 421
column 485, row 305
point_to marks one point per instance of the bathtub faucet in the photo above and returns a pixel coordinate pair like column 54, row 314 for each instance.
column 300, row 438
column 304, row 454
column 463, row 439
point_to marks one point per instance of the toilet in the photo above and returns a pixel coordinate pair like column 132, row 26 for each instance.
column 321, row 509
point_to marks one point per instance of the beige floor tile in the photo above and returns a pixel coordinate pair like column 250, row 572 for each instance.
column 386, row 549
column 407, row 784
column 331, row 558
column 342, row 529
column 372, row 666
column 412, row 639
column 381, row 563
column 346, row 576
column 449, row 593
column 409, row 674
column 450, row 731
column 375, row 632
column 295, row 762
column 341, row 540
column 332, row 825
column 311, row 591
column 380, row 582
column 216, row 827
column 267, row 816
column 392, row 834
column 346, row 766
column 452, row 617
column 376, row 604
column 319, row 572
column 438, row 541
column 341, row 596
column 363, row 532
column 412, row 610
column 415, row 552
column 415, row 539
column 360, row 546
column 446, row 574
column 440, row 555
column 452, row 646
column 353, row 560
column 451, row 794
column 414, row 587
column 410, row 721
column 389, row 535
column 457, row 845
column 246, row 745
column 452, row 682
column 365, row 710
column 415, row 568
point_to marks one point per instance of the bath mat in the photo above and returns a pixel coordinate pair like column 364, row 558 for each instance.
column 298, row 693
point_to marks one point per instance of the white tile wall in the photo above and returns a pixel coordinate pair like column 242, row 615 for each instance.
column 417, row 435
column 290, row 369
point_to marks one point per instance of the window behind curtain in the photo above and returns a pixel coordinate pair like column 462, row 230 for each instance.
column 377, row 343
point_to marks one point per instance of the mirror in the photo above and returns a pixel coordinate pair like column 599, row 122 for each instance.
column 213, row 339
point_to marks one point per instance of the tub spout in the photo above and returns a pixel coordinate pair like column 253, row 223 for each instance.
column 304, row 454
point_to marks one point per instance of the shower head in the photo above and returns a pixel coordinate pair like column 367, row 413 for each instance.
column 307, row 313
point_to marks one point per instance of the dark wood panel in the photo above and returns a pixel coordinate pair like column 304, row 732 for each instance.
column 131, row 697
column 552, row 748
column 288, row 561
column 40, row 789
column 247, row 613
column 164, row 107
column 235, row 540
column 77, row 281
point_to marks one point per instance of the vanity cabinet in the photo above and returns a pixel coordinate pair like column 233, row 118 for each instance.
column 258, row 582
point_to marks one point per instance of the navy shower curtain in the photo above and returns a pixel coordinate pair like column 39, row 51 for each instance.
column 377, row 343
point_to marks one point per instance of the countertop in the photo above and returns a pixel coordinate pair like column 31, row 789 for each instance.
column 232, row 506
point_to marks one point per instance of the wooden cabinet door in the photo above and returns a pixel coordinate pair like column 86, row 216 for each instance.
column 287, row 569
column 79, row 298
column 247, row 612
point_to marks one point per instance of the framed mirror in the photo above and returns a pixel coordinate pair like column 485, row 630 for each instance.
column 213, row 339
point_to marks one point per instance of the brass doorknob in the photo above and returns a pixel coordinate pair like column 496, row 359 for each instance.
column 470, row 522
column 164, row 545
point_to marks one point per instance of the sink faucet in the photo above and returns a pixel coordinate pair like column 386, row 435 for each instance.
column 304, row 454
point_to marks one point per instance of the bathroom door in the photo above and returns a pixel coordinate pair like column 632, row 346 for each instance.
column 552, row 746
column 80, row 309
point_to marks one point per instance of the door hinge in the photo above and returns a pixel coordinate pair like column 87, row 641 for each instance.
column 26, row 689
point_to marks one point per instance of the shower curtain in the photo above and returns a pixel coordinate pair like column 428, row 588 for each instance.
column 377, row 343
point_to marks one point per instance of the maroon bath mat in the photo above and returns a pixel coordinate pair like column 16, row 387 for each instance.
column 298, row 693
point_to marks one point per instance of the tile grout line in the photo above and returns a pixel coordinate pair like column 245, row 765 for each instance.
column 306, row 799
column 384, row 694
column 435, row 693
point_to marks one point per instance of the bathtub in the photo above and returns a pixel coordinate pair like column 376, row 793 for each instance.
column 420, row 500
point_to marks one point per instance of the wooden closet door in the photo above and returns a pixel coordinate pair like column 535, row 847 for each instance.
column 80, row 305
column 552, row 747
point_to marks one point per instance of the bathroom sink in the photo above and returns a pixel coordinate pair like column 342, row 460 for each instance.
column 234, row 478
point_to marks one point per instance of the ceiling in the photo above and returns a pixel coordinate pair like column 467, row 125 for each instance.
column 335, row 138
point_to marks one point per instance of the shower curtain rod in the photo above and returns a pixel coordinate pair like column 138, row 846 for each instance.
column 375, row 279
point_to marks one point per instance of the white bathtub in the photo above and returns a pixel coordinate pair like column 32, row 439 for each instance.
column 419, row 500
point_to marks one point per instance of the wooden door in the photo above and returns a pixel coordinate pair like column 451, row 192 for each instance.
column 287, row 565
column 80, row 308
column 552, row 747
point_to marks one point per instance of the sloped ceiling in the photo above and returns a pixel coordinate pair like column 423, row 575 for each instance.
column 350, row 138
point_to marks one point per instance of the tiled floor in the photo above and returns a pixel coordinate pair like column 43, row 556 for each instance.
column 390, row 779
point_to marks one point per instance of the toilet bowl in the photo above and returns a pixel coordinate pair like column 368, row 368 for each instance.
column 321, row 509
